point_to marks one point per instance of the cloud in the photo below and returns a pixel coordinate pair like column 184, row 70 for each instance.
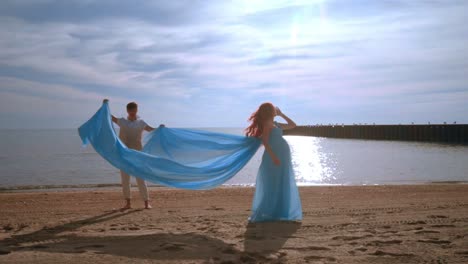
column 338, row 61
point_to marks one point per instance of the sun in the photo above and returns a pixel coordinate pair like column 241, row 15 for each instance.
column 311, row 24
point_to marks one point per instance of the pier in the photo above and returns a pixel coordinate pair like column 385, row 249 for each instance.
column 449, row 133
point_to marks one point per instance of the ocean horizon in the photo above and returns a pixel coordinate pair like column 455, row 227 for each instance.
column 55, row 158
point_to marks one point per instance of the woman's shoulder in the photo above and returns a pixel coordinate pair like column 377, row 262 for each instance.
column 268, row 124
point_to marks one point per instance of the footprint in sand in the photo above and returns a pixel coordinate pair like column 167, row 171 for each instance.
column 90, row 246
column 4, row 251
column 171, row 247
column 74, row 251
column 229, row 251
column 416, row 223
column 438, row 226
column 313, row 258
column 434, row 241
column 347, row 238
column 438, row 260
column 384, row 253
column 385, row 242
column 390, row 232
column 213, row 230
column 214, row 208
column 437, row 216
column 307, row 248
column 372, row 231
column 8, row 227
column 427, row 232
column 227, row 262
column 39, row 247
column 248, row 259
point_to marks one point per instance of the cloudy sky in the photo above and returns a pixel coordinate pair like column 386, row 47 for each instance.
column 211, row 63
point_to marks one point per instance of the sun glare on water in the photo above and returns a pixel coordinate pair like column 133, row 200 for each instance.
column 310, row 164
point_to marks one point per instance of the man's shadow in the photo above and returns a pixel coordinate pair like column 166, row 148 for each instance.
column 52, row 232
column 268, row 237
column 158, row 245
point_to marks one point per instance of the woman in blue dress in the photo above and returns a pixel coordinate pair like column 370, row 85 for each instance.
column 276, row 195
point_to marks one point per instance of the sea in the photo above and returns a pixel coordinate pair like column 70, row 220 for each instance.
column 55, row 158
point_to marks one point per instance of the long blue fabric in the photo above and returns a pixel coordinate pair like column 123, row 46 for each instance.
column 181, row 158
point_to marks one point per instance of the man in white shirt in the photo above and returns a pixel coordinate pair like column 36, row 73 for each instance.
column 131, row 130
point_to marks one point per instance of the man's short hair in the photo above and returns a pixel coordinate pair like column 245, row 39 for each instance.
column 132, row 106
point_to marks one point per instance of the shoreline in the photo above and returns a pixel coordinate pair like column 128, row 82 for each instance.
column 341, row 224
column 115, row 186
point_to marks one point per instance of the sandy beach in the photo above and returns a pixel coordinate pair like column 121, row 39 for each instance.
column 349, row 224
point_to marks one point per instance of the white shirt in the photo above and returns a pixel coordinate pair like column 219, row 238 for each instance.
column 131, row 131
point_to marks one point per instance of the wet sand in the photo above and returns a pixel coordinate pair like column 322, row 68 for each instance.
column 349, row 224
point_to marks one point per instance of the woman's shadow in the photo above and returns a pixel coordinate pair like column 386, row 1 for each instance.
column 268, row 237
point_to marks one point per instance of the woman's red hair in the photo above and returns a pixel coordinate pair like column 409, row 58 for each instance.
column 264, row 112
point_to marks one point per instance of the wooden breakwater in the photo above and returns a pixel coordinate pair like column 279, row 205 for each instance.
column 453, row 133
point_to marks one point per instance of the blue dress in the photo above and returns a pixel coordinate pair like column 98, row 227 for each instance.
column 276, row 195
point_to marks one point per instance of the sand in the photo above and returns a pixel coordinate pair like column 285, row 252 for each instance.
column 349, row 224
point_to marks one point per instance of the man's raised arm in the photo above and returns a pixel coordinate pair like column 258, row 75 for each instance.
column 114, row 119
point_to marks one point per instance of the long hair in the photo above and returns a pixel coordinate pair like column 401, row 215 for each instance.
column 264, row 112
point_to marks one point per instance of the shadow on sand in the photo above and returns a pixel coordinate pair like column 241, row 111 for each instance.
column 260, row 240
column 268, row 237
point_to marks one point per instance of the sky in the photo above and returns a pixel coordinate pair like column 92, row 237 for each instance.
column 200, row 63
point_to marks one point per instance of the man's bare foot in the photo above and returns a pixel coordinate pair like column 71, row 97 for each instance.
column 148, row 205
column 127, row 205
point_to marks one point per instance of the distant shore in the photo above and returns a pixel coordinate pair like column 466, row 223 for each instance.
column 342, row 224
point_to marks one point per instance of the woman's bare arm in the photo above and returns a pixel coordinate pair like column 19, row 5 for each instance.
column 290, row 125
